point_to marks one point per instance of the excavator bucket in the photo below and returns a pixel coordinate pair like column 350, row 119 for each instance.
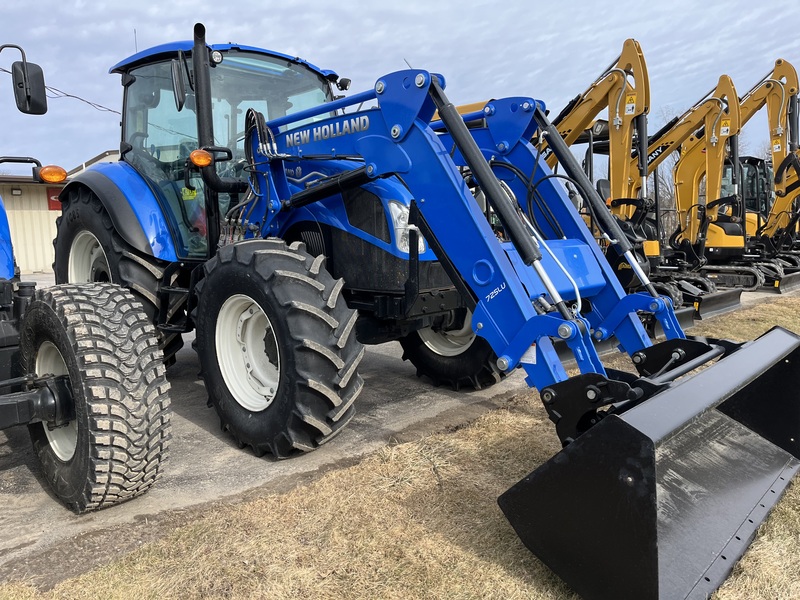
column 660, row 501
column 717, row 303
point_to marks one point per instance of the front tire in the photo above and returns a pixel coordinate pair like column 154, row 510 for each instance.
column 88, row 249
column 277, row 347
column 99, row 336
column 453, row 357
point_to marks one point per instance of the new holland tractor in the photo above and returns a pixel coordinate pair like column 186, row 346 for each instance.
column 288, row 227
column 79, row 365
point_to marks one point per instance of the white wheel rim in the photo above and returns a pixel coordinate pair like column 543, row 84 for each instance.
column 87, row 260
column 242, row 337
column 449, row 343
column 63, row 440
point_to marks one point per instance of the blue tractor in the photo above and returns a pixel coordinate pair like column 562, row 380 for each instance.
column 79, row 365
column 288, row 226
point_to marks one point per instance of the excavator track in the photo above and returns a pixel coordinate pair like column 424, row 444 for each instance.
column 746, row 277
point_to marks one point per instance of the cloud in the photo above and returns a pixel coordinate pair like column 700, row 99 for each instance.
column 551, row 51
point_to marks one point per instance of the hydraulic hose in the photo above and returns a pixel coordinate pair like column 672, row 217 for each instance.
column 450, row 116
column 607, row 221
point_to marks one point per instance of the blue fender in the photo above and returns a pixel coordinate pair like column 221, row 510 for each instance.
column 132, row 205
column 6, row 248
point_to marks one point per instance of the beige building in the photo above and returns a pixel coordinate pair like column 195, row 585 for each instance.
column 32, row 209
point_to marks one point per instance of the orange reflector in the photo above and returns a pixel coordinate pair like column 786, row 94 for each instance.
column 201, row 158
column 52, row 174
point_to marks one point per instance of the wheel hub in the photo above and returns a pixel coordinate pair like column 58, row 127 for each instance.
column 450, row 342
column 87, row 260
column 247, row 353
column 63, row 440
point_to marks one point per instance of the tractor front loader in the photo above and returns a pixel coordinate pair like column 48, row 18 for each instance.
column 79, row 365
column 670, row 489
column 316, row 190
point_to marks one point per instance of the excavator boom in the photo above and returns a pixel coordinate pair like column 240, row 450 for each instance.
column 623, row 89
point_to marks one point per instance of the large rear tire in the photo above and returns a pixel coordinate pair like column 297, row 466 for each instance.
column 99, row 336
column 277, row 347
column 453, row 357
column 88, row 249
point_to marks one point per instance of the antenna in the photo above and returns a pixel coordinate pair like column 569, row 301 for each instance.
column 135, row 41
column 408, row 63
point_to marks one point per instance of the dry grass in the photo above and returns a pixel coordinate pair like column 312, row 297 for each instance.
column 749, row 323
column 415, row 520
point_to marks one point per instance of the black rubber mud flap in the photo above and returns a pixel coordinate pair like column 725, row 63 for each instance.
column 718, row 303
column 661, row 501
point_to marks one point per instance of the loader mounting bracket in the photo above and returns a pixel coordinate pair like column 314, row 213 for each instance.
column 574, row 405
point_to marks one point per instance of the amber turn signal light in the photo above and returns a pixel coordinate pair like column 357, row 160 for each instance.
column 52, row 174
column 201, row 158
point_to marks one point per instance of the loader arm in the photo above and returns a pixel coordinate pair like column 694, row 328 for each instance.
column 523, row 293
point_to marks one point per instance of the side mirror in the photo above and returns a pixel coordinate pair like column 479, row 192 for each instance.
column 178, row 86
column 29, row 90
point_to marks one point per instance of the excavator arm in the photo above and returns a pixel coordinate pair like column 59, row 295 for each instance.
column 623, row 89
column 703, row 154
column 670, row 137
column 778, row 92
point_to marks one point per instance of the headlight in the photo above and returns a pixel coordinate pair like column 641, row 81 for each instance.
column 399, row 213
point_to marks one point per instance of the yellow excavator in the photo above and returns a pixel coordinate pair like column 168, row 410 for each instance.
column 778, row 92
column 676, row 270
column 714, row 229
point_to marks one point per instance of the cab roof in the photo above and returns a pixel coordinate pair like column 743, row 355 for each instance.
column 170, row 50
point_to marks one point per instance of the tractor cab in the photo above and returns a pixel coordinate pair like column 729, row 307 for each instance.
column 160, row 127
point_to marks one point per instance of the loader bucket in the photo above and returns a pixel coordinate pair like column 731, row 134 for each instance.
column 661, row 501
column 717, row 303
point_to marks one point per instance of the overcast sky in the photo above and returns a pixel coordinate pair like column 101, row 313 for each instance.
column 549, row 50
